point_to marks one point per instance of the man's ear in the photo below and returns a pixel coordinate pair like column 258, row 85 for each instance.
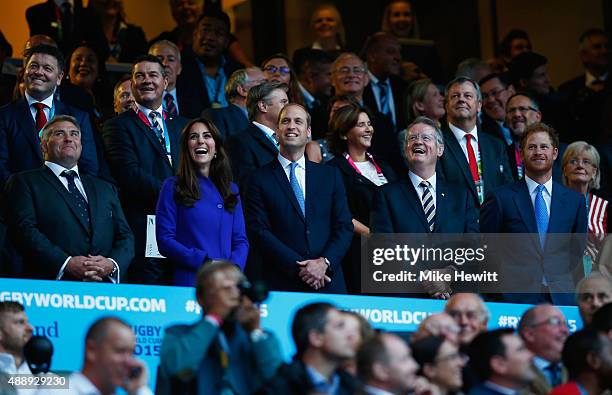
column 440, row 150
column 262, row 106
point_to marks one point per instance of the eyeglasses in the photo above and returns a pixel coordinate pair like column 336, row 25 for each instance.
column 583, row 162
column 469, row 314
column 273, row 69
column 552, row 321
column 347, row 70
column 494, row 94
column 413, row 138
column 521, row 109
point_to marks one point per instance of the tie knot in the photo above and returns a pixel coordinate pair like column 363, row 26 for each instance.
column 293, row 165
column 539, row 189
column 168, row 97
column 69, row 174
column 39, row 106
column 425, row 184
column 153, row 115
column 468, row 137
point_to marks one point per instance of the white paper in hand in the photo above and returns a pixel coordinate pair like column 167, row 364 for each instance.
column 151, row 250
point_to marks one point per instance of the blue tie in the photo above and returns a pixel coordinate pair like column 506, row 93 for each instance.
column 541, row 215
column 384, row 97
column 297, row 191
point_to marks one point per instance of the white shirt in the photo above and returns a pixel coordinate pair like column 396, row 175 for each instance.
column 500, row 388
column 368, row 170
column 268, row 132
column 546, row 193
column 81, row 385
column 7, row 365
column 300, row 171
column 461, row 139
column 48, row 102
column 416, row 181
column 376, row 89
column 590, row 78
column 176, row 104
column 147, row 111
column 308, row 98
column 375, row 391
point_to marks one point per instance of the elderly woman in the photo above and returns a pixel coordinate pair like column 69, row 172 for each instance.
column 350, row 138
column 424, row 99
column 440, row 362
column 277, row 68
column 199, row 214
column 581, row 173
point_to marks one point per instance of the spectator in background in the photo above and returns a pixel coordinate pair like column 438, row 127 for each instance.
column 522, row 111
column 602, row 320
column 327, row 29
column 203, row 184
column 234, row 118
column 544, row 330
column 123, row 97
column 400, row 20
column 385, row 366
column 277, row 68
column 470, row 313
column 322, row 344
column 143, row 150
column 588, row 357
column 15, row 331
column 205, row 67
column 502, row 362
column 473, row 68
column 423, row 98
column 440, row 362
column 226, row 351
column 125, row 41
column 170, row 56
column 350, row 138
column 496, row 90
column 440, row 324
column 109, row 362
column 360, row 331
column 513, row 44
column 581, row 173
column 7, row 82
column 592, row 292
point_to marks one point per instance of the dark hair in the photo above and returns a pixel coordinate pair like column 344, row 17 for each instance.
column 370, row 352
column 373, row 42
column 502, row 77
column 540, row 127
column 462, row 80
column 149, row 58
column 343, row 97
column 343, row 120
column 577, row 348
column 294, row 93
column 47, row 50
column 529, row 96
column 505, row 45
column 98, row 331
column 312, row 317
column 303, row 60
column 187, row 190
column 261, row 92
column 484, row 347
column 590, row 33
column 602, row 319
column 121, row 80
column 216, row 14
column 426, row 350
column 9, row 306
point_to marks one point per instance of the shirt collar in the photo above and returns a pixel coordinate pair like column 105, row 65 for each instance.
column 47, row 102
column 540, row 363
column 147, row 111
column 532, row 185
column 589, row 78
column 307, row 96
column 499, row 388
column 58, row 169
column 375, row 391
column 416, row 181
column 286, row 162
column 80, row 384
column 269, row 132
column 375, row 80
column 317, row 379
column 172, row 92
column 460, row 134
column 316, row 45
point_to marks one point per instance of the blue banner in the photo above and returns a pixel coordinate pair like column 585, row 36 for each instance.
column 63, row 311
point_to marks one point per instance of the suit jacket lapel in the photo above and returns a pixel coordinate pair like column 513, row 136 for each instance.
column 28, row 127
column 441, row 204
column 454, row 149
column 311, row 188
column 487, row 156
column 150, row 135
column 556, row 208
column 281, row 178
column 522, row 200
column 61, row 189
column 92, row 199
column 258, row 135
column 415, row 201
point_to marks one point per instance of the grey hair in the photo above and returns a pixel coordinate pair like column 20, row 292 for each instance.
column 424, row 121
column 582, row 147
column 169, row 44
column 57, row 119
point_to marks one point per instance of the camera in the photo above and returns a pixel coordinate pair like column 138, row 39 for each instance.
column 257, row 291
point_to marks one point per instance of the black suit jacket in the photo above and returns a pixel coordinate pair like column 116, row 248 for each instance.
column 455, row 168
column 45, row 225
column 20, row 144
column 397, row 89
column 397, row 208
column 190, row 89
column 229, row 120
column 249, row 150
column 282, row 235
column 139, row 164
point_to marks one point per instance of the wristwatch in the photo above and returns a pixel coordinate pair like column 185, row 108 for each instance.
column 329, row 270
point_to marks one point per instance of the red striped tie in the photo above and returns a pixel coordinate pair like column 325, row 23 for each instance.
column 41, row 118
column 472, row 158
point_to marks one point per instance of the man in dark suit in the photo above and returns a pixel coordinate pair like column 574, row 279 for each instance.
column 170, row 56
column 205, row 68
column 95, row 242
column 142, row 146
column 502, row 361
column 22, row 120
column 544, row 265
column 471, row 159
column 496, row 90
column 256, row 145
column 234, row 118
column 297, row 214
column 68, row 23
column 434, row 206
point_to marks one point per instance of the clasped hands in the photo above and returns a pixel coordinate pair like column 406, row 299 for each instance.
column 90, row 268
column 312, row 272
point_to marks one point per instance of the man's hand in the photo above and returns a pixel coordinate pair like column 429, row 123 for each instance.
column 137, row 377
column 248, row 315
column 312, row 272
column 98, row 267
column 81, row 267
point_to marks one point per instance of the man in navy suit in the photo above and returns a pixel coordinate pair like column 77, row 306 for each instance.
column 502, row 361
column 472, row 159
column 543, row 265
column 232, row 119
column 142, row 146
column 170, row 56
column 297, row 214
column 21, row 121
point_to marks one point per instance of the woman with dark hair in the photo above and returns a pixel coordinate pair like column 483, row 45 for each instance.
column 349, row 138
column 440, row 362
column 277, row 68
column 199, row 214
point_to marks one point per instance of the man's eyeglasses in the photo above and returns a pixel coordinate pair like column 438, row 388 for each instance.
column 521, row 109
column 427, row 138
column 494, row 94
column 552, row 321
column 347, row 70
column 273, row 69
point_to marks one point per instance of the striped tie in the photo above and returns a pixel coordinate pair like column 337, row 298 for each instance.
column 428, row 204
column 157, row 127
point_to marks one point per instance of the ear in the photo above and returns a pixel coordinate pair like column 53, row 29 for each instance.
column 165, row 83
column 43, row 147
column 309, row 131
column 179, row 69
column 241, row 91
column 429, row 371
column 366, row 79
column 263, row 107
column 510, row 90
column 440, row 150
column 538, row 116
column 420, row 107
column 593, row 361
column 498, row 364
column 479, row 105
column 91, row 349
column 379, row 371
column 527, row 332
column 315, row 338
column 555, row 153
column 59, row 78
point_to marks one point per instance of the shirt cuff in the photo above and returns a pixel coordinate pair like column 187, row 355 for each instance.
column 114, row 278
column 60, row 274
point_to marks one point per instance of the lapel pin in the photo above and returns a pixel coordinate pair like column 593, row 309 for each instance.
column 442, row 193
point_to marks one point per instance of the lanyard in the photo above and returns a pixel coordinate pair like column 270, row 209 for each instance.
column 381, row 176
column 214, row 86
column 51, row 115
column 146, row 121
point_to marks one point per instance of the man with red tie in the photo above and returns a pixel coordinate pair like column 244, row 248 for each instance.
column 472, row 159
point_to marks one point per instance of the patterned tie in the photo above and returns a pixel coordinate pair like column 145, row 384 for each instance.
column 295, row 186
column 82, row 206
column 472, row 157
column 41, row 118
column 428, row 204
column 555, row 374
column 541, row 214
column 170, row 106
column 157, row 127
column 384, row 97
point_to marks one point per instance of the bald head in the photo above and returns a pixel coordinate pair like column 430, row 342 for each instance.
column 470, row 313
column 441, row 324
column 382, row 52
column 592, row 292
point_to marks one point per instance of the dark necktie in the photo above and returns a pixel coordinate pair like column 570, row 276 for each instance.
column 81, row 203
column 157, row 127
column 555, row 374
column 41, row 118
column 170, row 106
column 428, row 205
column 384, row 98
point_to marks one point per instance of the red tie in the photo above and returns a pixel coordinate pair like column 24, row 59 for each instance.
column 41, row 118
column 472, row 157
